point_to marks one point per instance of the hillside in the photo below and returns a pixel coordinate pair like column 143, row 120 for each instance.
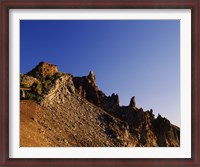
column 58, row 109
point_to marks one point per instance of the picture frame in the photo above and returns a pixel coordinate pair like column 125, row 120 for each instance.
column 89, row 4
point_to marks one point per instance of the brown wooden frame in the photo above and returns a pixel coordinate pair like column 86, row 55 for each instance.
column 98, row 4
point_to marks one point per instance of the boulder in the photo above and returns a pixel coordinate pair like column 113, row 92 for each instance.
column 27, row 81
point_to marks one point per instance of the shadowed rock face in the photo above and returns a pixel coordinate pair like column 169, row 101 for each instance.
column 87, row 88
column 120, row 125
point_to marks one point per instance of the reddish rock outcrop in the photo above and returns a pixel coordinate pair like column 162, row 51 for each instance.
column 42, row 70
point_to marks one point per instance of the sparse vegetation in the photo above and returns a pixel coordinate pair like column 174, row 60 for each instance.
column 36, row 88
column 58, row 74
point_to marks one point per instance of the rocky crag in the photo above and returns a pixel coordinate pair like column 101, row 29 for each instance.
column 64, row 110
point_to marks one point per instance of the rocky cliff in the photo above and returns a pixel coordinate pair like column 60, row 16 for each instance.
column 76, row 113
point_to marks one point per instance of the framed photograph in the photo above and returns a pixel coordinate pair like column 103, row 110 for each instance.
column 100, row 83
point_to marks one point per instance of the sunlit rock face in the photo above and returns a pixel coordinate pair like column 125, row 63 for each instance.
column 42, row 70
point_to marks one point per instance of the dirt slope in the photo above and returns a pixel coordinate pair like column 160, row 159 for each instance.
column 30, row 131
column 80, row 124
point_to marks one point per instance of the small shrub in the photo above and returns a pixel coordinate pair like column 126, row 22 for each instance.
column 47, row 83
column 58, row 74
column 31, row 96
column 39, row 89
column 49, row 77
column 36, row 88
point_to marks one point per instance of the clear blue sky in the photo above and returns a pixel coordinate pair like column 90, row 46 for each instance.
column 132, row 58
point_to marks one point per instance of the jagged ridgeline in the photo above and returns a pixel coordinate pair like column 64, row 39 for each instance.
column 58, row 109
